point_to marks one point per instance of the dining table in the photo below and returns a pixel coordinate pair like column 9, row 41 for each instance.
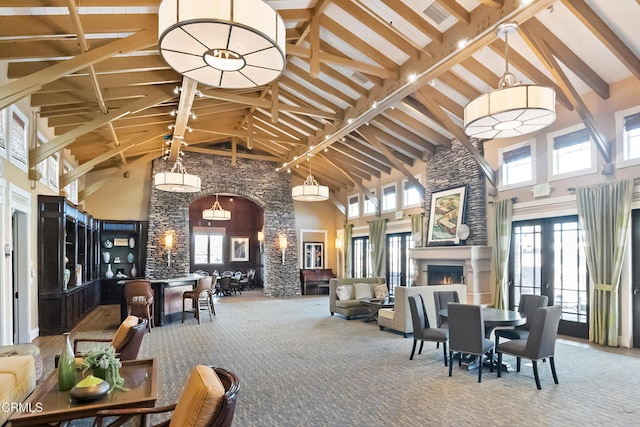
column 493, row 318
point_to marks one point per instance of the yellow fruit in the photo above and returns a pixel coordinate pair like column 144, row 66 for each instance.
column 89, row 381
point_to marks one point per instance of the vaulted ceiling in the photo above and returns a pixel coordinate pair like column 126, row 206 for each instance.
column 369, row 86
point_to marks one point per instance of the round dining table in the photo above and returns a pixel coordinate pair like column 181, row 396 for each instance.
column 493, row 318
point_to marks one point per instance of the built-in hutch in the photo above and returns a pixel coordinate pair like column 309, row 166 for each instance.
column 123, row 247
column 68, row 264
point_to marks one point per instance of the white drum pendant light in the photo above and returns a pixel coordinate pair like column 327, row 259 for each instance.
column 310, row 190
column 229, row 44
column 216, row 213
column 512, row 109
column 178, row 180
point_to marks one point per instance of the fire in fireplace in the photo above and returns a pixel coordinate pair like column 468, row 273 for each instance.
column 445, row 274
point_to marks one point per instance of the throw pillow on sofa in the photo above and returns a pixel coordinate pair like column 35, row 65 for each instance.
column 363, row 290
column 344, row 292
column 381, row 291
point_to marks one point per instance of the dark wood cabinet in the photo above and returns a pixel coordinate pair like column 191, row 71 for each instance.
column 68, row 247
column 123, row 254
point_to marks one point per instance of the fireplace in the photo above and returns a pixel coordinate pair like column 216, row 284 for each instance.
column 474, row 261
column 444, row 274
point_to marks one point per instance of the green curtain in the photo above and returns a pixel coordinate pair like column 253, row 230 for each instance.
column 377, row 229
column 348, row 247
column 417, row 229
column 501, row 246
column 603, row 212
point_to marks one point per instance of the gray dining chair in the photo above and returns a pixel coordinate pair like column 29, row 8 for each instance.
column 466, row 334
column 421, row 329
column 540, row 343
column 440, row 300
column 529, row 303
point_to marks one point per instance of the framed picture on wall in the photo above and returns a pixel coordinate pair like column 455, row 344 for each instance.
column 313, row 255
column 445, row 216
column 239, row 249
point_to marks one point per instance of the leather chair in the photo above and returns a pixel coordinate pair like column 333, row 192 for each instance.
column 528, row 305
column 126, row 341
column 201, row 292
column 421, row 329
column 138, row 295
column 208, row 399
column 466, row 334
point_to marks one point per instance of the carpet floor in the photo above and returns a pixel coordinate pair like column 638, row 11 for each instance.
column 298, row 366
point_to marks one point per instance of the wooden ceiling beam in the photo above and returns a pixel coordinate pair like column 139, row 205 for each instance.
column 603, row 32
column 546, row 56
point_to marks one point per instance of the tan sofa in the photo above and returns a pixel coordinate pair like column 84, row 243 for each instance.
column 398, row 318
column 17, row 381
column 352, row 307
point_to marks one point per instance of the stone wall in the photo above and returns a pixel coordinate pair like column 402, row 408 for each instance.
column 454, row 167
column 254, row 180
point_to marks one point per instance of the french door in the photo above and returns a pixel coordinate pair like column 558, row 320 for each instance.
column 399, row 266
column 547, row 258
column 361, row 257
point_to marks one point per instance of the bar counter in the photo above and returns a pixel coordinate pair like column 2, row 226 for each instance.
column 167, row 297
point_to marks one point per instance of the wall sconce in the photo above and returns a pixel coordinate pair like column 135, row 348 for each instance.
column 283, row 246
column 261, row 240
column 338, row 243
column 168, row 243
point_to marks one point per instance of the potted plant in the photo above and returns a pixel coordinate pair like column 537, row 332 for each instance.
column 106, row 365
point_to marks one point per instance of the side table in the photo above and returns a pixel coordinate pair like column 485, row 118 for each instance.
column 375, row 304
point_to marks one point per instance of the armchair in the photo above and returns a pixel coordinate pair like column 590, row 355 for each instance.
column 208, row 399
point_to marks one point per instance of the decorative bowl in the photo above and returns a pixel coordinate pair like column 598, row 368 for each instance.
column 108, row 244
column 87, row 394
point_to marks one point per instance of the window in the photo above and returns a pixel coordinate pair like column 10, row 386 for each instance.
column 354, row 206
column 369, row 207
column 410, row 195
column 516, row 165
column 361, row 257
column 571, row 153
column 208, row 248
column 389, row 198
column 628, row 136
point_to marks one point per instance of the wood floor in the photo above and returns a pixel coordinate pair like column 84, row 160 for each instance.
column 100, row 323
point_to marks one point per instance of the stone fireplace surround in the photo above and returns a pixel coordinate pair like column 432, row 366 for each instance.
column 476, row 263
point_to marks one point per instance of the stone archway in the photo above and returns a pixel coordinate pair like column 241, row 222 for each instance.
column 254, row 180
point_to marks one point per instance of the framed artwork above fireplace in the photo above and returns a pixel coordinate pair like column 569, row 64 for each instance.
column 446, row 215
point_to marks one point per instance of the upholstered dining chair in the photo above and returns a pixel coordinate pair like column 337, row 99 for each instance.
column 225, row 285
column 529, row 303
column 138, row 295
column 441, row 299
column 421, row 329
column 208, row 399
column 539, row 344
column 196, row 295
column 466, row 334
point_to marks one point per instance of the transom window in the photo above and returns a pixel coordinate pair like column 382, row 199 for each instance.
column 572, row 153
column 369, row 206
column 410, row 195
column 631, row 137
column 389, row 198
column 516, row 165
column 354, row 206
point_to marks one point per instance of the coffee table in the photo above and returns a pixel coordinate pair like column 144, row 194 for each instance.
column 47, row 404
column 375, row 304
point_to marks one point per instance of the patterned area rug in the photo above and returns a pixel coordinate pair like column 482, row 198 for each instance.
column 298, row 366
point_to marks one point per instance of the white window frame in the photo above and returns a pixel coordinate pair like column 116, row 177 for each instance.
column 395, row 205
column 4, row 131
column 42, row 166
column 592, row 168
column 210, row 234
column 367, row 203
column 20, row 147
column 357, row 214
column 404, row 202
column 621, row 162
column 501, row 184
